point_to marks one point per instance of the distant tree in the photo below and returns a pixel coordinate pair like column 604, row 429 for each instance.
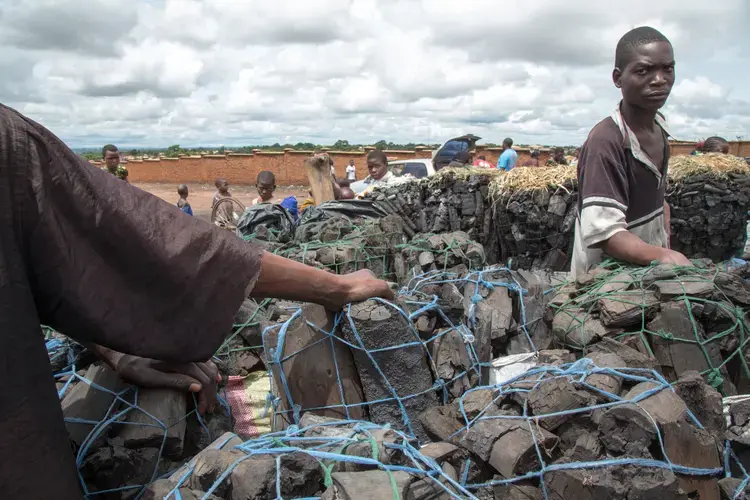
column 381, row 145
column 173, row 151
column 341, row 145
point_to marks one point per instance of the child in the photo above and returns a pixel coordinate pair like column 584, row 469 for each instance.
column 346, row 192
column 265, row 183
column 222, row 191
column 182, row 203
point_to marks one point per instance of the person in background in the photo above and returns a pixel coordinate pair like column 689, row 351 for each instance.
column 576, row 154
column 509, row 157
column 622, row 173
column 558, row 156
column 533, row 160
column 377, row 167
column 265, row 183
column 351, row 172
column 225, row 211
column 346, row 192
column 110, row 264
column 715, row 144
column 482, row 162
column 183, row 203
column 111, row 157
column 462, row 160
column 333, row 169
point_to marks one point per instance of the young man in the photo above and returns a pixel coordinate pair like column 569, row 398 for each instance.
column 111, row 264
column 183, row 204
column 111, row 157
column 509, row 157
column 265, row 183
column 351, row 172
column 622, row 172
column 559, row 156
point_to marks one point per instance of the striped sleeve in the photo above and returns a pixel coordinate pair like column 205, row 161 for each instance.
column 604, row 191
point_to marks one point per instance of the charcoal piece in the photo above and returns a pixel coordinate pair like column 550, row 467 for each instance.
column 733, row 287
column 475, row 402
column 628, row 308
column 703, row 400
column 116, row 466
column 729, row 487
column 631, row 357
column 672, row 289
column 405, row 369
column 517, row 491
column 440, row 423
column 607, row 383
column 452, row 362
column 200, row 434
column 624, row 482
column 368, row 485
column 553, row 396
column 161, row 414
column 515, row 452
column 687, row 445
column 576, row 328
column 682, row 353
column 209, row 466
column 441, row 451
column 255, row 478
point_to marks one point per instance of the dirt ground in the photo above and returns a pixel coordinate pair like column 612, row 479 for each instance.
column 201, row 194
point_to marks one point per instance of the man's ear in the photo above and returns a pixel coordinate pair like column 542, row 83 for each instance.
column 617, row 77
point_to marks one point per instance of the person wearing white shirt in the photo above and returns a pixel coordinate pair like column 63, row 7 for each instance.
column 351, row 171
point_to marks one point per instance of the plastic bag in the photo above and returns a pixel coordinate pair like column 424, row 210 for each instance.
column 266, row 222
column 341, row 208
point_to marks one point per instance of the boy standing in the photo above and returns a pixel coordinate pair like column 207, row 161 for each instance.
column 351, row 172
column 265, row 183
column 182, row 203
column 622, row 172
column 222, row 191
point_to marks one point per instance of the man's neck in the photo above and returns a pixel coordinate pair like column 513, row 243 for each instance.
column 638, row 119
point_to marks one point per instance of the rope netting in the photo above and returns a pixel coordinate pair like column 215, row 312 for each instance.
column 626, row 303
column 413, row 303
column 541, row 457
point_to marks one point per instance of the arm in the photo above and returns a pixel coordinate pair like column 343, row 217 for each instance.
column 286, row 279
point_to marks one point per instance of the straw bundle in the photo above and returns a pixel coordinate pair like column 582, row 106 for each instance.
column 715, row 164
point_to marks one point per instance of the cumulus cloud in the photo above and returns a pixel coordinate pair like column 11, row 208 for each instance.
column 154, row 73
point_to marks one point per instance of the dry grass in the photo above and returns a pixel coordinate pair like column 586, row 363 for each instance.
column 532, row 178
column 716, row 164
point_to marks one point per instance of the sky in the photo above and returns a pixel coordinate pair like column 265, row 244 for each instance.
column 151, row 73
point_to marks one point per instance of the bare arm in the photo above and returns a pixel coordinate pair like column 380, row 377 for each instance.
column 628, row 247
column 286, row 279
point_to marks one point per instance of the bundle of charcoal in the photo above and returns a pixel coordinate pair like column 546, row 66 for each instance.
column 596, row 428
column 451, row 200
column 738, row 439
column 535, row 211
column 389, row 361
column 343, row 246
column 324, row 458
column 682, row 318
column 709, row 198
column 451, row 252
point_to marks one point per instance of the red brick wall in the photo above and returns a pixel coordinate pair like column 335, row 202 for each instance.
column 289, row 165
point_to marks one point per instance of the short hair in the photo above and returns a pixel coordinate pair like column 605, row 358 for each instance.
column 182, row 189
column 266, row 177
column 633, row 39
column 714, row 144
column 559, row 150
column 109, row 147
column 535, row 153
column 508, row 142
column 344, row 183
column 218, row 182
column 351, row 161
column 377, row 154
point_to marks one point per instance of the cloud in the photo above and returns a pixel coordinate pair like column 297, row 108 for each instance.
column 159, row 72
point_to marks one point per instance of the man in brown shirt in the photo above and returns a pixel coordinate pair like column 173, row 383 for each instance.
column 107, row 263
column 622, row 170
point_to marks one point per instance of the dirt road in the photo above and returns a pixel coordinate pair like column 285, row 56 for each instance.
column 201, row 194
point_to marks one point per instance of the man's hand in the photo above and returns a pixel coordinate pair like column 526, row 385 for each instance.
column 362, row 285
column 202, row 378
column 672, row 257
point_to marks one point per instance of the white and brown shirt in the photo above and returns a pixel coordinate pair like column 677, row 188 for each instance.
column 621, row 189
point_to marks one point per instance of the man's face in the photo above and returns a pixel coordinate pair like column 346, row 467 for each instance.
column 648, row 78
column 265, row 190
column 351, row 162
column 111, row 159
column 376, row 168
column 223, row 187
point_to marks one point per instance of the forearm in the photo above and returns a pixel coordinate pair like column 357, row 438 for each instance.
column 628, row 247
column 286, row 279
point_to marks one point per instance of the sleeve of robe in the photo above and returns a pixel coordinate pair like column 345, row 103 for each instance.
column 111, row 264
